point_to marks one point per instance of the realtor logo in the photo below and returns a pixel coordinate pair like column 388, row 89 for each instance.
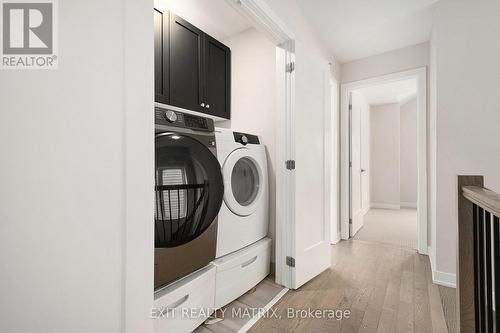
column 28, row 34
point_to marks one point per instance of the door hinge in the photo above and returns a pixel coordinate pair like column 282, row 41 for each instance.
column 290, row 164
column 350, row 164
column 350, row 107
column 290, row 67
column 290, row 261
column 350, row 221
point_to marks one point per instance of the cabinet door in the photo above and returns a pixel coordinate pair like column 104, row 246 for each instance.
column 161, row 55
column 218, row 78
column 185, row 65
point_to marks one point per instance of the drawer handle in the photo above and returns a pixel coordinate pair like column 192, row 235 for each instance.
column 178, row 303
column 249, row 262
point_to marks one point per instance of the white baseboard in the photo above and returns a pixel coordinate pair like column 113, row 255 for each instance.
column 366, row 210
column 357, row 228
column 408, row 204
column 336, row 239
column 442, row 278
column 377, row 205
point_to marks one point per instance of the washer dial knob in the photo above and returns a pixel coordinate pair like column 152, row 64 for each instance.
column 171, row 116
column 244, row 140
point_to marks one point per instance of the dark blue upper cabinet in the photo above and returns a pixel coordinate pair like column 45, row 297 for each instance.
column 161, row 21
column 186, row 65
column 192, row 69
column 218, row 78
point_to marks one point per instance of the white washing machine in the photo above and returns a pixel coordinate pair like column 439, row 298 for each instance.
column 244, row 215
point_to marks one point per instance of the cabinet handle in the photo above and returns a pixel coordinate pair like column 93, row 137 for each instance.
column 202, row 105
column 178, row 303
column 208, row 106
column 249, row 262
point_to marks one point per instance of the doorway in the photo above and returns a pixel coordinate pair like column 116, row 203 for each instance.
column 375, row 175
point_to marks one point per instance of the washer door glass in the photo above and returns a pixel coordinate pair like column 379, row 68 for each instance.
column 189, row 189
column 245, row 181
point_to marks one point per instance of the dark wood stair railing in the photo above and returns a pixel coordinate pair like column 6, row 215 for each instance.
column 478, row 279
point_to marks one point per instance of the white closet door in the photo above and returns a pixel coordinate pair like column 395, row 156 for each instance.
column 356, row 175
column 310, row 227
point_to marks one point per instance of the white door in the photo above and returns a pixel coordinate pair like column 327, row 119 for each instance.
column 310, row 228
column 356, row 169
column 365, row 161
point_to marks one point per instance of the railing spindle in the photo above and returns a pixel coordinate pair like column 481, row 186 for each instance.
column 488, row 272
column 480, row 276
column 496, row 262
column 477, row 242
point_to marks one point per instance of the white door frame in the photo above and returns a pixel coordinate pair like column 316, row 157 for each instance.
column 421, row 75
column 332, row 167
column 285, row 182
column 264, row 19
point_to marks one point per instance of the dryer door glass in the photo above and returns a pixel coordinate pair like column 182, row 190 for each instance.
column 189, row 189
column 245, row 181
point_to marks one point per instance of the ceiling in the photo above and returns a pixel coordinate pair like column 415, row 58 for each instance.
column 215, row 17
column 395, row 92
column 354, row 29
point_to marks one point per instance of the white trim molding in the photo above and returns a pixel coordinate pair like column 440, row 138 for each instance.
column 442, row 278
column 380, row 205
column 408, row 204
column 336, row 239
column 263, row 18
column 357, row 228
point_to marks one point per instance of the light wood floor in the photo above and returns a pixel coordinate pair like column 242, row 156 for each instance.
column 387, row 288
column 449, row 301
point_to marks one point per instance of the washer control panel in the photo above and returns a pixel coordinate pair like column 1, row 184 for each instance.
column 245, row 138
column 183, row 120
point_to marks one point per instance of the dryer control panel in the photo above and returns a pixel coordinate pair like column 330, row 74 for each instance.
column 245, row 138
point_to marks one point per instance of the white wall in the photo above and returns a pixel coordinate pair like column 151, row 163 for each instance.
column 253, row 99
column 63, row 174
column 465, row 89
column 408, row 154
column 387, row 63
column 385, row 157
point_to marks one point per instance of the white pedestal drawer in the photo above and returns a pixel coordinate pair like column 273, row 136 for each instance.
column 186, row 304
column 240, row 271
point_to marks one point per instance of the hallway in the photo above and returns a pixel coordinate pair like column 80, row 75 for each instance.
column 386, row 288
column 390, row 226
